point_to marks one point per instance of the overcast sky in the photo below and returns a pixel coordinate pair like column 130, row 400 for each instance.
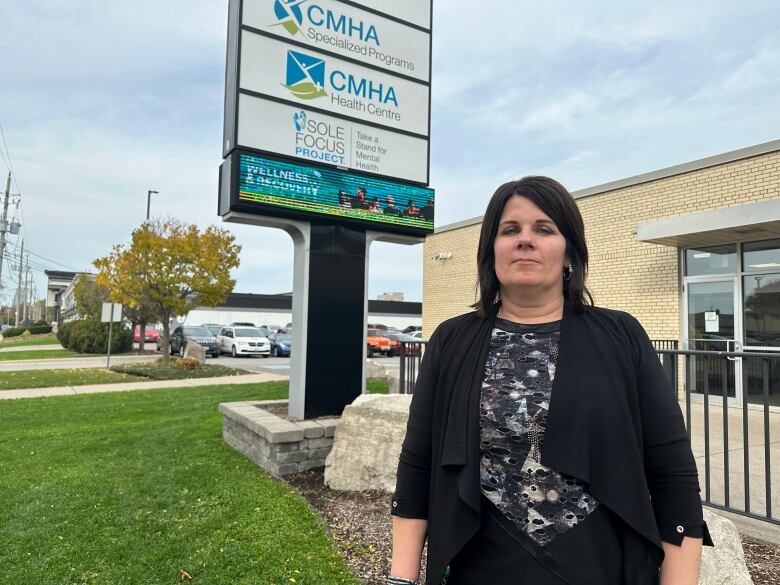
column 101, row 101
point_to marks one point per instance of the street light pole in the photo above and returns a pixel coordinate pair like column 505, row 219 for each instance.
column 149, row 201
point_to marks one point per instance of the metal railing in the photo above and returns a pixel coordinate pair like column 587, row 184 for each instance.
column 710, row 377
column 708, row 383
column 411, row 355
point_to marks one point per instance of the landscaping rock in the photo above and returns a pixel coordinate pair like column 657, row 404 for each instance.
column 723, row 564
column 393, row 383
column 367, row 443
column 195, row 350
column 375, row 371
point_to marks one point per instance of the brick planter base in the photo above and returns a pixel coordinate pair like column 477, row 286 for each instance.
column 277, row 445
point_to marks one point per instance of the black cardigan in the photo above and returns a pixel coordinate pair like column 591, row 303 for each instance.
column 614, row 422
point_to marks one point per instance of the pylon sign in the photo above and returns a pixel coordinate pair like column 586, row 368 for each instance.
column 325, row 84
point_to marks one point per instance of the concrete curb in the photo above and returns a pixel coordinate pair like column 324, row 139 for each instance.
column 130, row 386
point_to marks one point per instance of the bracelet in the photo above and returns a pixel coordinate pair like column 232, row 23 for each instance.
column 401, row 581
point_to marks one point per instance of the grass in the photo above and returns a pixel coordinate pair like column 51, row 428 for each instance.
column 64, row 377
column 139, row 487
column 154, row 371
column 377, row 386
column 47, row 339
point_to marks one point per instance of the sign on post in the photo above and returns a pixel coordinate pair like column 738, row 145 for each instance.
column 330, row 86
column 110, row 313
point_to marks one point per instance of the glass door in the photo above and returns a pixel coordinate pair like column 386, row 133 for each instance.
column 712, row 324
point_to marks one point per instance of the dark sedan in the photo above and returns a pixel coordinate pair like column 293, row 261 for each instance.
column 281, row 343
column 199, row 334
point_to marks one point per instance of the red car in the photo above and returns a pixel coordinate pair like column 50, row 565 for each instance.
column 150, row 334
column 412, row 344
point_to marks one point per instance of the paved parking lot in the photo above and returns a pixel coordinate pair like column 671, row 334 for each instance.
column 282, row 365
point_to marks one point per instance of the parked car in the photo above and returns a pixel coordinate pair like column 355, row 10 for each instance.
column 417, row 334
column 241, row 324
column 377, row 343
column 281, row 342
column 239, row 341
column 412, row 328
column 412, row 347
column 214, row 328
column 150, row 334
column 377, row 326
column 183, row 334
column 272, row 328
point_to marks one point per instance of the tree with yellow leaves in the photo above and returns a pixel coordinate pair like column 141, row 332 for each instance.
column 173, row 268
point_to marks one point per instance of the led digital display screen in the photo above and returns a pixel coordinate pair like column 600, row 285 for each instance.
column 334, row 193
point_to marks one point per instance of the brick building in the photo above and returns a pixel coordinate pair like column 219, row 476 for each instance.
column 693, row 251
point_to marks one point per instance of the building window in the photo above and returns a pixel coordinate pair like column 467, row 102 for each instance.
column 761, row 256
column 711, row 260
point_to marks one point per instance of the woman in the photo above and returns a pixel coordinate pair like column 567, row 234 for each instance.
column 545, row 445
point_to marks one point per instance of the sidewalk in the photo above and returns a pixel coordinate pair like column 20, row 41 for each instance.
column 130, row 386
column 71, row 362
column 50, row 347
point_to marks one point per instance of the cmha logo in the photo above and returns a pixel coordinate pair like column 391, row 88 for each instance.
column 307, row 79
column 292, row 14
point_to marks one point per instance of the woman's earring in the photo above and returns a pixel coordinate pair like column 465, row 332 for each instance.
column 567, row 272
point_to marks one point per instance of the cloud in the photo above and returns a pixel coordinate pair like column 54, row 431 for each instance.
column 103, row 101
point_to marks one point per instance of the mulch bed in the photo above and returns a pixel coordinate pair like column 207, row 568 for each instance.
column 361, row 525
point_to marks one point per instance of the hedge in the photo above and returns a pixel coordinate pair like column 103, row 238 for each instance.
column 33, row 329
column 91, row 336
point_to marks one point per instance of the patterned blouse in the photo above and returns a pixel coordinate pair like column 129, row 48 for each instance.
column 514, row 402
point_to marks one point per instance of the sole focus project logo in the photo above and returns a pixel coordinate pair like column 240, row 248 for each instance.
column 289, row 15
column 299, row 118
column 318, row 139
column 305, row 76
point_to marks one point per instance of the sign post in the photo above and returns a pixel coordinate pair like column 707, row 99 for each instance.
column 110, row 312
column 326, row 136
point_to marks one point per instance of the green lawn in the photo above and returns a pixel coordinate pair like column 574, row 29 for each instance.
column 377, row 386
column 135, row 488
column 46, row 354
column 35, row 340
column 64, row 377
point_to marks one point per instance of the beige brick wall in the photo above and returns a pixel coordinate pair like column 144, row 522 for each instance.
column 641, row 278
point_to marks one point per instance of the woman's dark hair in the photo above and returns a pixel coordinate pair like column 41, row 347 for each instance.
column 555, row 201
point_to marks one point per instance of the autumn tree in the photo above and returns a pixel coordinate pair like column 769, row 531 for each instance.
column 173, row 267
column 90, row 296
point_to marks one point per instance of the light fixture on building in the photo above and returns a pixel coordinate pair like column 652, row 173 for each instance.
column 443, row 256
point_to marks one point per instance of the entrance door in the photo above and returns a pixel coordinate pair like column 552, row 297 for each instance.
column 713, row 325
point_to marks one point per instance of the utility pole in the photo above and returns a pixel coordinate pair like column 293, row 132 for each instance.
column 4, row 222
column 27, row 301
column 19, row 284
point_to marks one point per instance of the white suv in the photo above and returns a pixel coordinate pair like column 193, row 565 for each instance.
column 239, row 341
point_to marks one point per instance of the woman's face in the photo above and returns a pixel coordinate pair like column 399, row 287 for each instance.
column 530, row 251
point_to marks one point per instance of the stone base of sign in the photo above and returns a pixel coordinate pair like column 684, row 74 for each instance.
column 195, row 350
column 276, row 444
column 375, row 370
column 367, row 443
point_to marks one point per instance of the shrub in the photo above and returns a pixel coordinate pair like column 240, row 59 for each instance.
column 91, row 336
column 63, row 334
column 33, row 330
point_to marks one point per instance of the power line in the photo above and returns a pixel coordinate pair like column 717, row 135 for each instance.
column 55, row 262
